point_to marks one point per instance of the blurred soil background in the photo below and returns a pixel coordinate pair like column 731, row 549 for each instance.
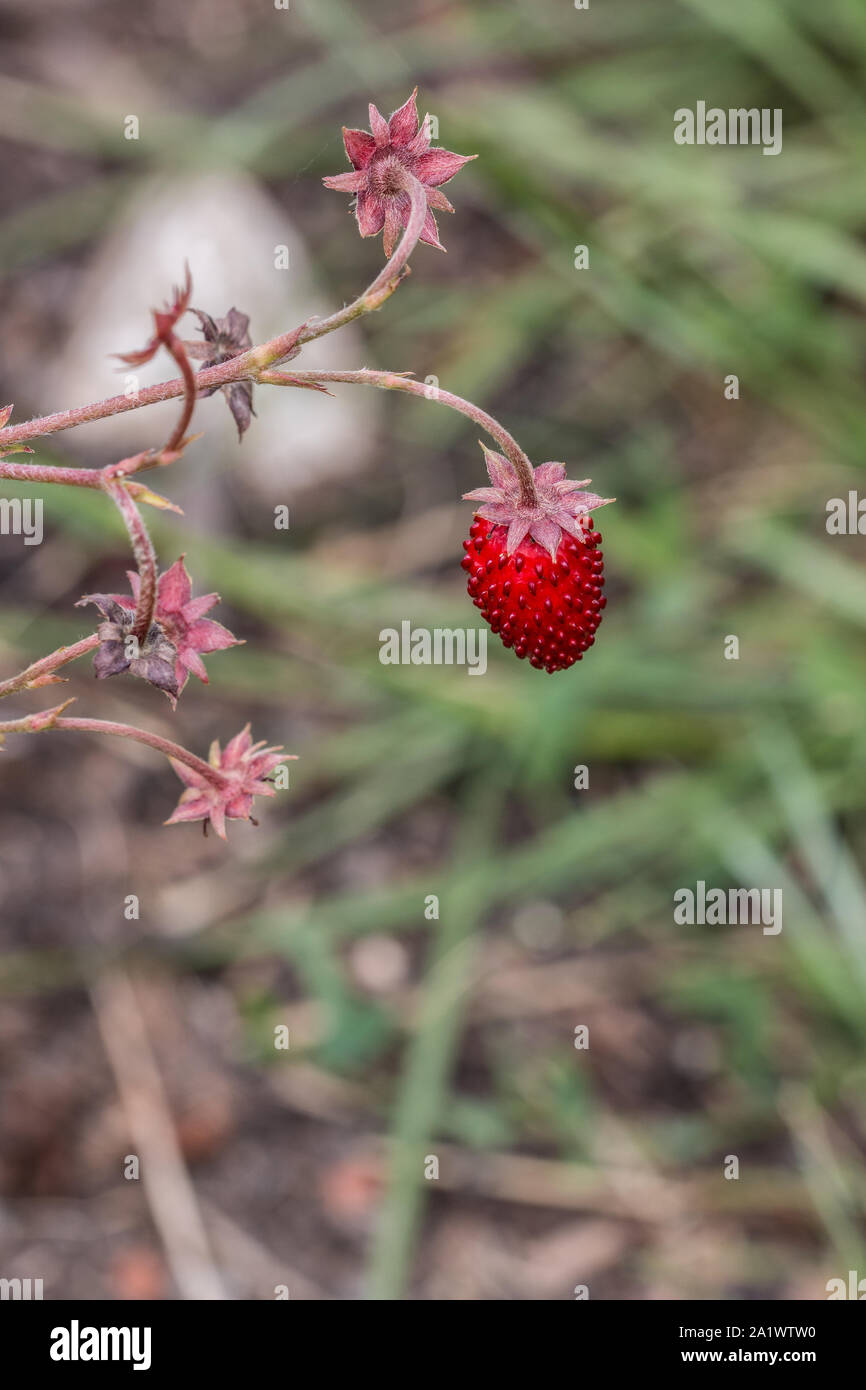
column 410, row 1035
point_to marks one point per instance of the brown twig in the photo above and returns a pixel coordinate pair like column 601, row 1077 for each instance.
column 166, row 1181
column 399, row 381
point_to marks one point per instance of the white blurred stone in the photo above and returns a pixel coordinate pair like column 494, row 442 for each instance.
column 227, row 228
column 380, row 963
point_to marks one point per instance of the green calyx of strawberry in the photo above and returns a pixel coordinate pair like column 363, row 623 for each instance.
column 560, row 503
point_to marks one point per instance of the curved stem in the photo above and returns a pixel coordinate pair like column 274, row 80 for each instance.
column 107, row 726
column 32, row 675
column 142, row 549
column 248, row 363
column 175, row 346
column 395, row 381
column 373, row 297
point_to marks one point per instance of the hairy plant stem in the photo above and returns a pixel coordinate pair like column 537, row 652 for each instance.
column 143, row 551
column 374, row 295
column 29, row 725
column 175, row 346
column 46, row 665
column 397, row 381
column 41, row 473
column 247, row 363
column 86, row 477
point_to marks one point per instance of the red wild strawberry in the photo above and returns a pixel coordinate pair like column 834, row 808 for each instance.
column 536, row 571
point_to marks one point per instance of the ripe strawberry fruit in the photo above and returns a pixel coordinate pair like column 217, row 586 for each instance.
column 535, row 570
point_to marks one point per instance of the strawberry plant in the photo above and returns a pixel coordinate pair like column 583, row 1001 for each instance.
column 534, row 567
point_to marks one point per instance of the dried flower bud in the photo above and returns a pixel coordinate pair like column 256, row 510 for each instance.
column 243, row 767
column 378, row 176
column 224, row 339
column 153, row 660
column 164, row 321
column 180, row 633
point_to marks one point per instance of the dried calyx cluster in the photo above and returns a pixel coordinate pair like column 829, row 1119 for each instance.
column 534, row 567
